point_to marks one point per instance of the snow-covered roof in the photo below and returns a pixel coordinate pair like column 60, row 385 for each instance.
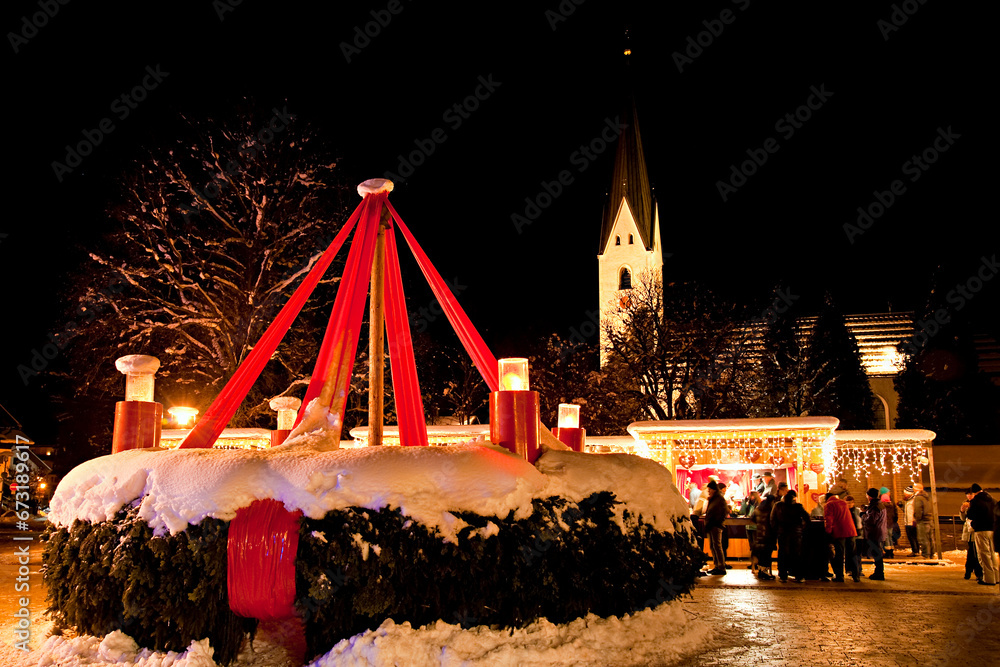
column 696, row 426
column 885, row 437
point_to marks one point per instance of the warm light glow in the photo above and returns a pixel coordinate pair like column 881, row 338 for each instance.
column 888, row 360
column 514, row 374
column 42, row 485
column 569, row 415
column 182, row 415
column 628, row 52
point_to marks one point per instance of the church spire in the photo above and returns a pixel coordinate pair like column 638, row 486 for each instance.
column 630, row 179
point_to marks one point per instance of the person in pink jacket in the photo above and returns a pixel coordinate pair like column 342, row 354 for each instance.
column 840, row 528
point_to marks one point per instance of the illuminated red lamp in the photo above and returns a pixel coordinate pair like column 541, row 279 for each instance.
column 514, row 411
column 569, row 431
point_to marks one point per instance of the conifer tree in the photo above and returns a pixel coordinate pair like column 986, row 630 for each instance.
column 837, row 385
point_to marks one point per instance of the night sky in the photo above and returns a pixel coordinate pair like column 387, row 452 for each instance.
column 556, row 79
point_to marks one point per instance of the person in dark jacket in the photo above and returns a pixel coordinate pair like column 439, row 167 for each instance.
column 789, row 520
column 766, row 538
column 982, row 510
column 922, row 520
column 874, row 520
column 972, row 565
column 715, row 517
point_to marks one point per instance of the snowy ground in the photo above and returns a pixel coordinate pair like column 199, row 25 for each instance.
column 660, row 636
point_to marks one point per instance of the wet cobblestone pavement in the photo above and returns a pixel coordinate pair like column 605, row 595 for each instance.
column 922, row 615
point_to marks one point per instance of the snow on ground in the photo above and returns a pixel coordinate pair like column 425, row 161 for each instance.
column 658, row 636
column 181, row 487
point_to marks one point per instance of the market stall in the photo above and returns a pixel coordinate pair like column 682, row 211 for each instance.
column 798, row 450
column 890, row 458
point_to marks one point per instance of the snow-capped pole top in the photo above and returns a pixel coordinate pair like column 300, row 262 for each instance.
column 374, row 186
column 137, row 364
column 285, row 403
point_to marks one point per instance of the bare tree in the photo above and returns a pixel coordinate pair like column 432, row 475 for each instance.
column 212, row 235
column 682, row 350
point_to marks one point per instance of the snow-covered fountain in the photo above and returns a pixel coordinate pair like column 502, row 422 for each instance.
column 473, row 551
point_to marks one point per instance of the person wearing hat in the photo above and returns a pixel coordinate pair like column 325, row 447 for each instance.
column 769, row 487
column 873, row 519
column 758, row 484
column 911, row 530
column 982, row 508
column 715, row 517
column 922, row 519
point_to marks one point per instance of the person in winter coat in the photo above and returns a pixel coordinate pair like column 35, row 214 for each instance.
column 840, row 528
column 911, row 530
column 971, row 559
column 859, row 540
column 982, row 511
column 789, row 519
column 747, row 508
column 715, row 517
column 922, row 519
column 873, row 519
column 892, row 522
column 766, row 538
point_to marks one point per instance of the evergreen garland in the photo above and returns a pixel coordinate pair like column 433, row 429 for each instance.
column 566, row 560
column 164, row 592
column 357, row 567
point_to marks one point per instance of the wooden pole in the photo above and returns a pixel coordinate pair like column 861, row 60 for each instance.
column 934, row 502
column 376, row 338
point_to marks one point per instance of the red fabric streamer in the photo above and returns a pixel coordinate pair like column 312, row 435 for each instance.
column 471, row 340
column 212, row 423
column 405, row 385
column 263, row 543
column 340, row 343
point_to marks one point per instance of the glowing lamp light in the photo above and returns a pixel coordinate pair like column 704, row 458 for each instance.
column 569, row 415
column 182, row 415
column 514, row 374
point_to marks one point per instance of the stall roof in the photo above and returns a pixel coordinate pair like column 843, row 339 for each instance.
column 776, row 424
column 884, row 437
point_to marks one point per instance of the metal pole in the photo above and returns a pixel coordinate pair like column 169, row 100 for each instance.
column 934, row 501
column 376, row 338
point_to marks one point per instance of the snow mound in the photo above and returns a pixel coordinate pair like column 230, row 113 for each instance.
column 184, row 486
column 652, row 636
column 118, row 649
column 642, row 485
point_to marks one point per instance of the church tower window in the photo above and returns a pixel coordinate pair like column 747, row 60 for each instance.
column 618, row 240
column 625, row 279
column 630, row 240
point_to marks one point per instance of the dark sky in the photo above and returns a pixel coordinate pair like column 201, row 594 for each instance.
column 889, row 93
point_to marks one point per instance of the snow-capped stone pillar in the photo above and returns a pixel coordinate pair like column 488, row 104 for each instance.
column 287, row 408
column 137, row 418
column 514, row 411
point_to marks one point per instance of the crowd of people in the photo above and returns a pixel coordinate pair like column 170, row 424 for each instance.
column 853, row 530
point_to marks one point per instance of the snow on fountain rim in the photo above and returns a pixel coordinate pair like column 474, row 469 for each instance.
column 428, row 484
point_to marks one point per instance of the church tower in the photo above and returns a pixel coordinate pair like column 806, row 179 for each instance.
column 630, row 230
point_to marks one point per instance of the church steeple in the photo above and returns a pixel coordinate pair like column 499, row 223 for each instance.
column 630, row 249
column 629, row 179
